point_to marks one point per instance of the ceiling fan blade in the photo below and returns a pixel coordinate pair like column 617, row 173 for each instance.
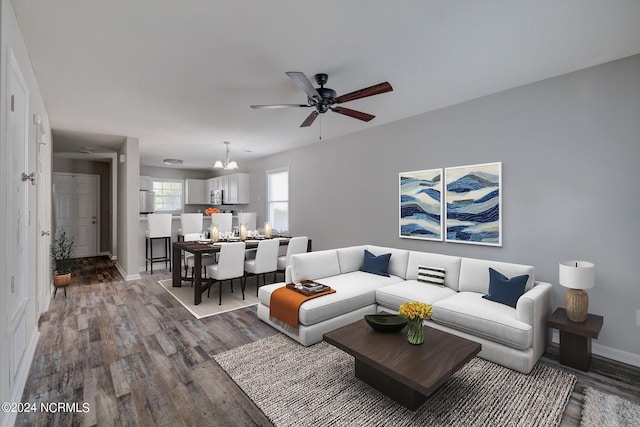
column 353, row 113
column 310, row 119
column 363, row 93
column 258, row 107
column 303, row 83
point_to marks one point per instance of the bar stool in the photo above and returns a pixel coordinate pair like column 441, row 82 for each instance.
column 223, row 221
column 248, row 219
column 159, row 229
column 189, row 223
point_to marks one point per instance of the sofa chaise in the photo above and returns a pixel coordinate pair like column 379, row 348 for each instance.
column 514, row 337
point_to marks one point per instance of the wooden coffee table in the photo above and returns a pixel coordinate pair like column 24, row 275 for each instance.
column 406, row 373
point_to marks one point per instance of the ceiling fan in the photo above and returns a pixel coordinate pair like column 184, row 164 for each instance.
column 324, row 99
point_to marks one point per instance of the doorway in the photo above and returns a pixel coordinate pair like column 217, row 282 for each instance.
column 77, row 207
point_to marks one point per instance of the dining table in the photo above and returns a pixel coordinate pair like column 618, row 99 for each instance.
column 199, row 247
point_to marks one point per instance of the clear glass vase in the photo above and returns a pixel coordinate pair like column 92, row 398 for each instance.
column 415, row 331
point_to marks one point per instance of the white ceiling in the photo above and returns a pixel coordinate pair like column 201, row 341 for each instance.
column 180, row 75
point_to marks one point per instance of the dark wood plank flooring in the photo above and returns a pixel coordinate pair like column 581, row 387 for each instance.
column 137, row 357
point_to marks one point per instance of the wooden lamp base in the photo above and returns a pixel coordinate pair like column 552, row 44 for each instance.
column 576, row 302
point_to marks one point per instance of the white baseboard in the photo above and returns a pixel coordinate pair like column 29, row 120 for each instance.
column 124, row 274
column 608, row 352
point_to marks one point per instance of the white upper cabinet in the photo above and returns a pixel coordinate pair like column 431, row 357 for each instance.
column 196, row 192
column 237, row 189
column 146, row 183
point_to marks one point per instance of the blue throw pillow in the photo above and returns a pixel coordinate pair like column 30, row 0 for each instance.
column 504, row 290
column 375, row 264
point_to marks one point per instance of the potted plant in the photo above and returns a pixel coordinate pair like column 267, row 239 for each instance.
column 61, row 253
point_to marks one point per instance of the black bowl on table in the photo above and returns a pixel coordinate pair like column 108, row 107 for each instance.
column 386, row 322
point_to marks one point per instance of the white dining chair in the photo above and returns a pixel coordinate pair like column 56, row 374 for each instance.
column 190, row 260
column 230, row 266
column 223, row 221
column 190, row 223
column 159, row 228
column 296, row 245
column 265, row 261
column 248, row 219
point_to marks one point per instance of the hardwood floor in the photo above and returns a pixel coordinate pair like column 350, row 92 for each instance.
column 137, row 357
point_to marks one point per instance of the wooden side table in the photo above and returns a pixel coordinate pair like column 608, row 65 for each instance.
column 575, row 338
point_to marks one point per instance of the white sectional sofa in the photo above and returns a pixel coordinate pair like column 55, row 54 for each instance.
column 513, row 337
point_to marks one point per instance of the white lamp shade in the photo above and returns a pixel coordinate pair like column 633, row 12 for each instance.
column 218, row 164
column 577, row 274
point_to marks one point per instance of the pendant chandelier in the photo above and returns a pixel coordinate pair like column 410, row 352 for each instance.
column 226, row 163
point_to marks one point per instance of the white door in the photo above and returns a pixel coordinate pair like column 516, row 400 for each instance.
column 76, row 200
column 16, row 291
column 43, row 232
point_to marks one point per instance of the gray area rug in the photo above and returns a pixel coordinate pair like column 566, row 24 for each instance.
column 606, row 410
column 314, row 386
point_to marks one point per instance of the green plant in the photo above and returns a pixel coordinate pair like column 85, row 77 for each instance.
column 61, row 253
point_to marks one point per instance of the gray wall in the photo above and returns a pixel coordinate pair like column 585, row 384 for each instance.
column 570, row 148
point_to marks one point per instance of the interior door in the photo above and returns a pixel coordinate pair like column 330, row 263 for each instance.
column 17, row 138
column 43, row 232
column 76, row 200
column 86, row 215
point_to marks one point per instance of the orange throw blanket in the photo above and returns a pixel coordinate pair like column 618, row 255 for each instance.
column 285, row 304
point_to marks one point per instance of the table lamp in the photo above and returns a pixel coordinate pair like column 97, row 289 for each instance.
column 577, row 276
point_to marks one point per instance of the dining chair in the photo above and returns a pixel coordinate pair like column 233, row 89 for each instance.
column 265, row 261
column 190, row 223
column 296, row 245
column 159, row 228
column 223, row 221
column 248, row 219
column 230, row 266
column 189, row 260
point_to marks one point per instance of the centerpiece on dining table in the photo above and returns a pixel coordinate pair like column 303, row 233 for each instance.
column 415, row 312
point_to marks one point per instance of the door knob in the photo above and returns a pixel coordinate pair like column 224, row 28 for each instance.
column 45, row 233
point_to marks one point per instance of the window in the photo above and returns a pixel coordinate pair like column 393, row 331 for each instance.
column 168, row 195
column 278, row 199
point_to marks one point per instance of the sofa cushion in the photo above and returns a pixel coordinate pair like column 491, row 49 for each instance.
column 398, row 261
column 469, row 312
column 474, row 274
column 314, row 265
column 393, row 296
column 375, row 264
column 350, row 259
column 431, row 275
column 505, row 290
column 451, row 264
column 353, row 291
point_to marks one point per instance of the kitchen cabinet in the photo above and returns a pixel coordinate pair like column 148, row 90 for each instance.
column 237, row 189
column 212, row 184
column 146, row 183
column 196, row 192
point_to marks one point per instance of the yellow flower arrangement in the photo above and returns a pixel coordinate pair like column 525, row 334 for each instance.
column 415, row 310
column 211, row 210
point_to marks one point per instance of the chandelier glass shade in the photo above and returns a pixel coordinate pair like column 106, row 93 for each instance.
column 226, row 163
